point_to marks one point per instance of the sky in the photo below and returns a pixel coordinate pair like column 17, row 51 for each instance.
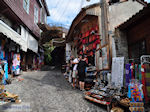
column 62, row 12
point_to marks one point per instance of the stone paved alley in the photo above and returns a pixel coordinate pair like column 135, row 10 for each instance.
column 48, row 91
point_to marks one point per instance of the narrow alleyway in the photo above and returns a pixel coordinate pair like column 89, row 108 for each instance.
column 48, row 91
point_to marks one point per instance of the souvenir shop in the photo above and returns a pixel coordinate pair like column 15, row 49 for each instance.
column 9, row 53
column 40, row 57
column 125, row 88
column 9, row 62
column 87, row 44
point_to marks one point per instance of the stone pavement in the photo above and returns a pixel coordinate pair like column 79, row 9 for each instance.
column 48, row 91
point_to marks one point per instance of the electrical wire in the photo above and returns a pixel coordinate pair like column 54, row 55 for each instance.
column 57, row 7
column 65, row 9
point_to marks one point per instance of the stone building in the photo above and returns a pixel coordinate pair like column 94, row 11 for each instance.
column 134, row 35
column 90, row 16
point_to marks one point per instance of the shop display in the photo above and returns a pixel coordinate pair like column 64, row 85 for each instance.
column 16, row 64
column 107, row 95
column 131, row 95
column 90, row 77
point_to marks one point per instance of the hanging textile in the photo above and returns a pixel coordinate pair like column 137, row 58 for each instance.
column 132, row 70
column 130, row 73
column 147, row 78
column 87, row 33
column 16, row 64
column 135, row 91
column 143, row 82
column 1, row 53
column 6, row 72
column 136, row 71
column 94, row 46
column 140, row 74
column 127, row 74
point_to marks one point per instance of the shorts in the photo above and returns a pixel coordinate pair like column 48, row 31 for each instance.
column 74, row 74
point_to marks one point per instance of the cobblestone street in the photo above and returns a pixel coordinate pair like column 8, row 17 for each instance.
column 48, row 91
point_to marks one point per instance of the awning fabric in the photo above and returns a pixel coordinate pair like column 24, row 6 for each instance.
column 10, row 33
column 32, row 44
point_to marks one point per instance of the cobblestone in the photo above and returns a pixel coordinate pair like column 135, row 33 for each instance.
column 48, row 91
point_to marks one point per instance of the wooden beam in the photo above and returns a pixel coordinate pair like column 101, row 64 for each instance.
column 4, row 10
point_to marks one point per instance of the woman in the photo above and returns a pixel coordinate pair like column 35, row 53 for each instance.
column 81, row 72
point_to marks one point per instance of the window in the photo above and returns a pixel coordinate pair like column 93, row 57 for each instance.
column 26, row 5
column 35, row 14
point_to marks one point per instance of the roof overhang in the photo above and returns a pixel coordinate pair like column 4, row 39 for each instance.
column 46, row 8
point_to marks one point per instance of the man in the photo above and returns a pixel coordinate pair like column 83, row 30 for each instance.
column 74, row 75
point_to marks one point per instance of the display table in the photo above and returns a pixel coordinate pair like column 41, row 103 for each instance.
column 97, row 99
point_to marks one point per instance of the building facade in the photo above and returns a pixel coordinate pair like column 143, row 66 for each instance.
column 83, row 36
column 135, row 35
column 19, row 32
column 116, row 14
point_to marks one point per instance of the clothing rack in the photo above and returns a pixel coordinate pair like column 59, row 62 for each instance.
column 134, row 60
column 145, row 59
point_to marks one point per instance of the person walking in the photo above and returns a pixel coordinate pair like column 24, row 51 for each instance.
column 81, row 72
column 74, row 74
column 71, row 68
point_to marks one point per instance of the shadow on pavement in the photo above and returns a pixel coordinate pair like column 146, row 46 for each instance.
column 53, row 78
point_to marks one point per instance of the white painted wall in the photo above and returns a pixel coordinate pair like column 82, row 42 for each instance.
column 29, row 41
column 119, row 13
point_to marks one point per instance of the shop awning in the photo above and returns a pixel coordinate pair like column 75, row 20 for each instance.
column 32, row 44
column 10, row 33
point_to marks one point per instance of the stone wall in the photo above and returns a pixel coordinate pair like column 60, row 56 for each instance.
column 121, row 44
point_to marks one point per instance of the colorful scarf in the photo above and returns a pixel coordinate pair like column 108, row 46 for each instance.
column 144, row 82
column 147, row 78
column 127, row 74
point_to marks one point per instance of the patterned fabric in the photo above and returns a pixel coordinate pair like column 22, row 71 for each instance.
column 127, row 74
column 132, row 71
column 147, row 78
column 144, row 82
column 135, row 92
column 140, row 74
column 136, row 71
